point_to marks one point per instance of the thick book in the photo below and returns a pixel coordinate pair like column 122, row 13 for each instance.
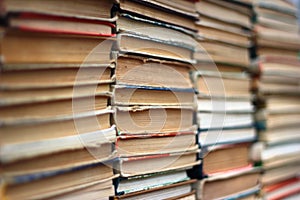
column 229, row 12
column 221, row 53
column 276, row 38
column 282, row 190
column 213, row 137
column 175, row 191
column 130, row 23
column 277, row 155
column 153, row 119
column 53, row 48
column 57, row 183
column 21, row 77
column 27, row 96
column 209, row 188
column 223, row 120
column 138, row 165
column 14, row 150
column 149, row 181
column 215, row 32
column 219, row 159
column 103, row 190
column 150, row 144
column 160, row 11
column 60, row 24
column 225, row 104
column 225, row 84
column 130, row 95
column 52, row 110
column 132, row 43
column 92, row 9
column 280, row 174
column 146, row 71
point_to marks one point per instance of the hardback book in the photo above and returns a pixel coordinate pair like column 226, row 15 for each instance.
column 276, row 20
column 228, row 11
column 221, row 120
column 18, row 93
column 221, row 33
column 225, row 84
column 52, row 110
column 219, row 104
column 283, row 190
column 219, row 159
column 280, row 174
column 272, row 156
column 277, row 5
column 53, row 48
column 92, row 9
column 180, row 190
column 131, row 23
column 228, row 185
column 138, row 165
column 149, row 181
column 150, row 144
column 221, row 53
column 139, row 95
column 212, row 137
column 13, row 149
column 59, row 24
column 67, row 127
column 153, row 119
column 276, row 38
column 177, row 15
column 60, row 182
column 132, row 43
column 147, row 71
column 100, row 190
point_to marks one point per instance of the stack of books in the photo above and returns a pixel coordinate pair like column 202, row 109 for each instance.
column 225, row 110
column 278, row 100
column 55, row 131
column 153, row 99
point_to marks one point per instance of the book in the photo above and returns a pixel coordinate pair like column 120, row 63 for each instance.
column 138, row 165
column 79, row 10
column 11, row 151
column 230, row 183
column 212, row 137
column 223, row 158
column 163, row 119
column 53, row 185
column 228, row 14
column 224, row 84
column 45, row 48
column 60, row 24
column 147, row 46
column 149, row 181
column 175, row 191
column 97, row 191
column 147, row 71
column 221, row 120
column 150, row 144
column 213, row 51
column 283, row 189
column 160, row 11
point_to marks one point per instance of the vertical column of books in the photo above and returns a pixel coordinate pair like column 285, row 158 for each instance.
column 55, row 130
column 154, row 99
column 278, row 102
column 225, row 110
